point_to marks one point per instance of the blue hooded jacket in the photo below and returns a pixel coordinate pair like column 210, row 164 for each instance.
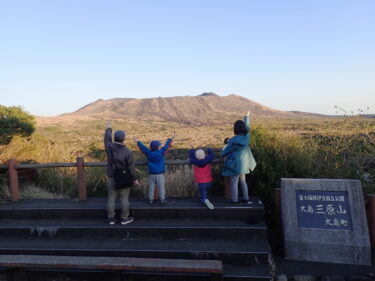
column 239, row 159
column 155, row 158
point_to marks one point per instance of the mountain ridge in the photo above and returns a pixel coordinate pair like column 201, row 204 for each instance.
column 204, row 109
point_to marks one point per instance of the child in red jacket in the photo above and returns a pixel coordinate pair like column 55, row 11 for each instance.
column 202, row 172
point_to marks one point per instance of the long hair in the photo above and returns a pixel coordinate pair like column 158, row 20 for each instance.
column 239, row 128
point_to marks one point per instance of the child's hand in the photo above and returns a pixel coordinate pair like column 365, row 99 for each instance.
column 108, row 124
column 174, row 134
column 136, row 139
column 248, row 113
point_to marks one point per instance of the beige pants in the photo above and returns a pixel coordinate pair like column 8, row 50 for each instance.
column 112, row 196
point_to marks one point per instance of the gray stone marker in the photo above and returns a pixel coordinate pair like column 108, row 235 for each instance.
column 324, row 220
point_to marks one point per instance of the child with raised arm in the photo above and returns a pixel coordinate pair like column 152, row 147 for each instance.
column 239, row 159
column 202, row 172
column 156, row 167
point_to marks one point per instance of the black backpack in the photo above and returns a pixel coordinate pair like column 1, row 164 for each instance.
column 122, row 176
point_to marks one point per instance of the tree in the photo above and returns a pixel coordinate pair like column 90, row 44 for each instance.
column 14, row 121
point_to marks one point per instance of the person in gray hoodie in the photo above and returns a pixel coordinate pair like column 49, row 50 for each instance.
column 118, row 156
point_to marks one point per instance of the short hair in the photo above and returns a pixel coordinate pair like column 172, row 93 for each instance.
column 119, row 136
column 239, row 128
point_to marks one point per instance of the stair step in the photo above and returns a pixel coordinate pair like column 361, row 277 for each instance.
column 163, row 229
column 230, row 252
column 230, row 273
column 183, row 229
column 169, row 223
column 247, row 273
column 96, row 275
column 96, row 208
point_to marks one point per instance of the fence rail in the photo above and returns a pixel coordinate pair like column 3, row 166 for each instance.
column 96, row 164
column 13, row 168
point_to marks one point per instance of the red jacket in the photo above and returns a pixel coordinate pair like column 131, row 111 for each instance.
column 202, row 168
column 202, row 175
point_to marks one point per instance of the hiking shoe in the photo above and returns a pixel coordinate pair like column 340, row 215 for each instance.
column 126, row 221
column 163, row 202
column 235, row 202
column 111, row 221
column 150, row 202
column 209, row 204
column 246, row 202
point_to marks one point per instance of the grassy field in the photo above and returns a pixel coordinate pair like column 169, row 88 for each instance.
column 319, row 148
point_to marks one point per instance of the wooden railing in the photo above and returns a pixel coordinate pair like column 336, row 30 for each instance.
column 13, row 168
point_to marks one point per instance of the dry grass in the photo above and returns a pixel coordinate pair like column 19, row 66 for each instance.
column 4, row 190
column 342, row 148
column 179, row 182
column 35, row 192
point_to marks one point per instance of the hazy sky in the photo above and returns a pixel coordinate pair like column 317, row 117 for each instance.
column 309, row 55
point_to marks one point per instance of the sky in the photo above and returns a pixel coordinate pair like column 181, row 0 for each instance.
column 307, row 55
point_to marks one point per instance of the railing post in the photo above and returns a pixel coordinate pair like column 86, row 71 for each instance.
column 81, row 178
column 13, row 180
column 227, row 188
column 371, row 218
column 278, row 204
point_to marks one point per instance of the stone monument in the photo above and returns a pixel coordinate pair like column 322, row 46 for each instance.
column 324, row 220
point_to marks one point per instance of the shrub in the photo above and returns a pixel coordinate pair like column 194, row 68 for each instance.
column 14, row 121
column 347, row 153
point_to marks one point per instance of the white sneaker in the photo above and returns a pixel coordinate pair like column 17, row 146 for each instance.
column 209, row 204
column 126, row 221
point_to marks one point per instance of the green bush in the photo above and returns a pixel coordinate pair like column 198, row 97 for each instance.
column 348, row 155
column 14, row 121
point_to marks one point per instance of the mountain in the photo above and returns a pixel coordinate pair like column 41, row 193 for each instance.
column 205, row 109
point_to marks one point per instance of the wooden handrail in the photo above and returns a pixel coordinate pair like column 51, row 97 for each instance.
column 80, row 165
column 97, row 164
column 81, row 178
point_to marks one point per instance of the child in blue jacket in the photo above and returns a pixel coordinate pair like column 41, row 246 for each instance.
column 156, row 167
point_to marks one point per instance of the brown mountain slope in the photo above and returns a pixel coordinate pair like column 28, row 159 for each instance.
column 189, row 110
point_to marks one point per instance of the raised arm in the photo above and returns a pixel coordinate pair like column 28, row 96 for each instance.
column 107, row 136
column 167, row 145
column 192, row 155
column 246, row 119
column 210, row 155
column 142, row 147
